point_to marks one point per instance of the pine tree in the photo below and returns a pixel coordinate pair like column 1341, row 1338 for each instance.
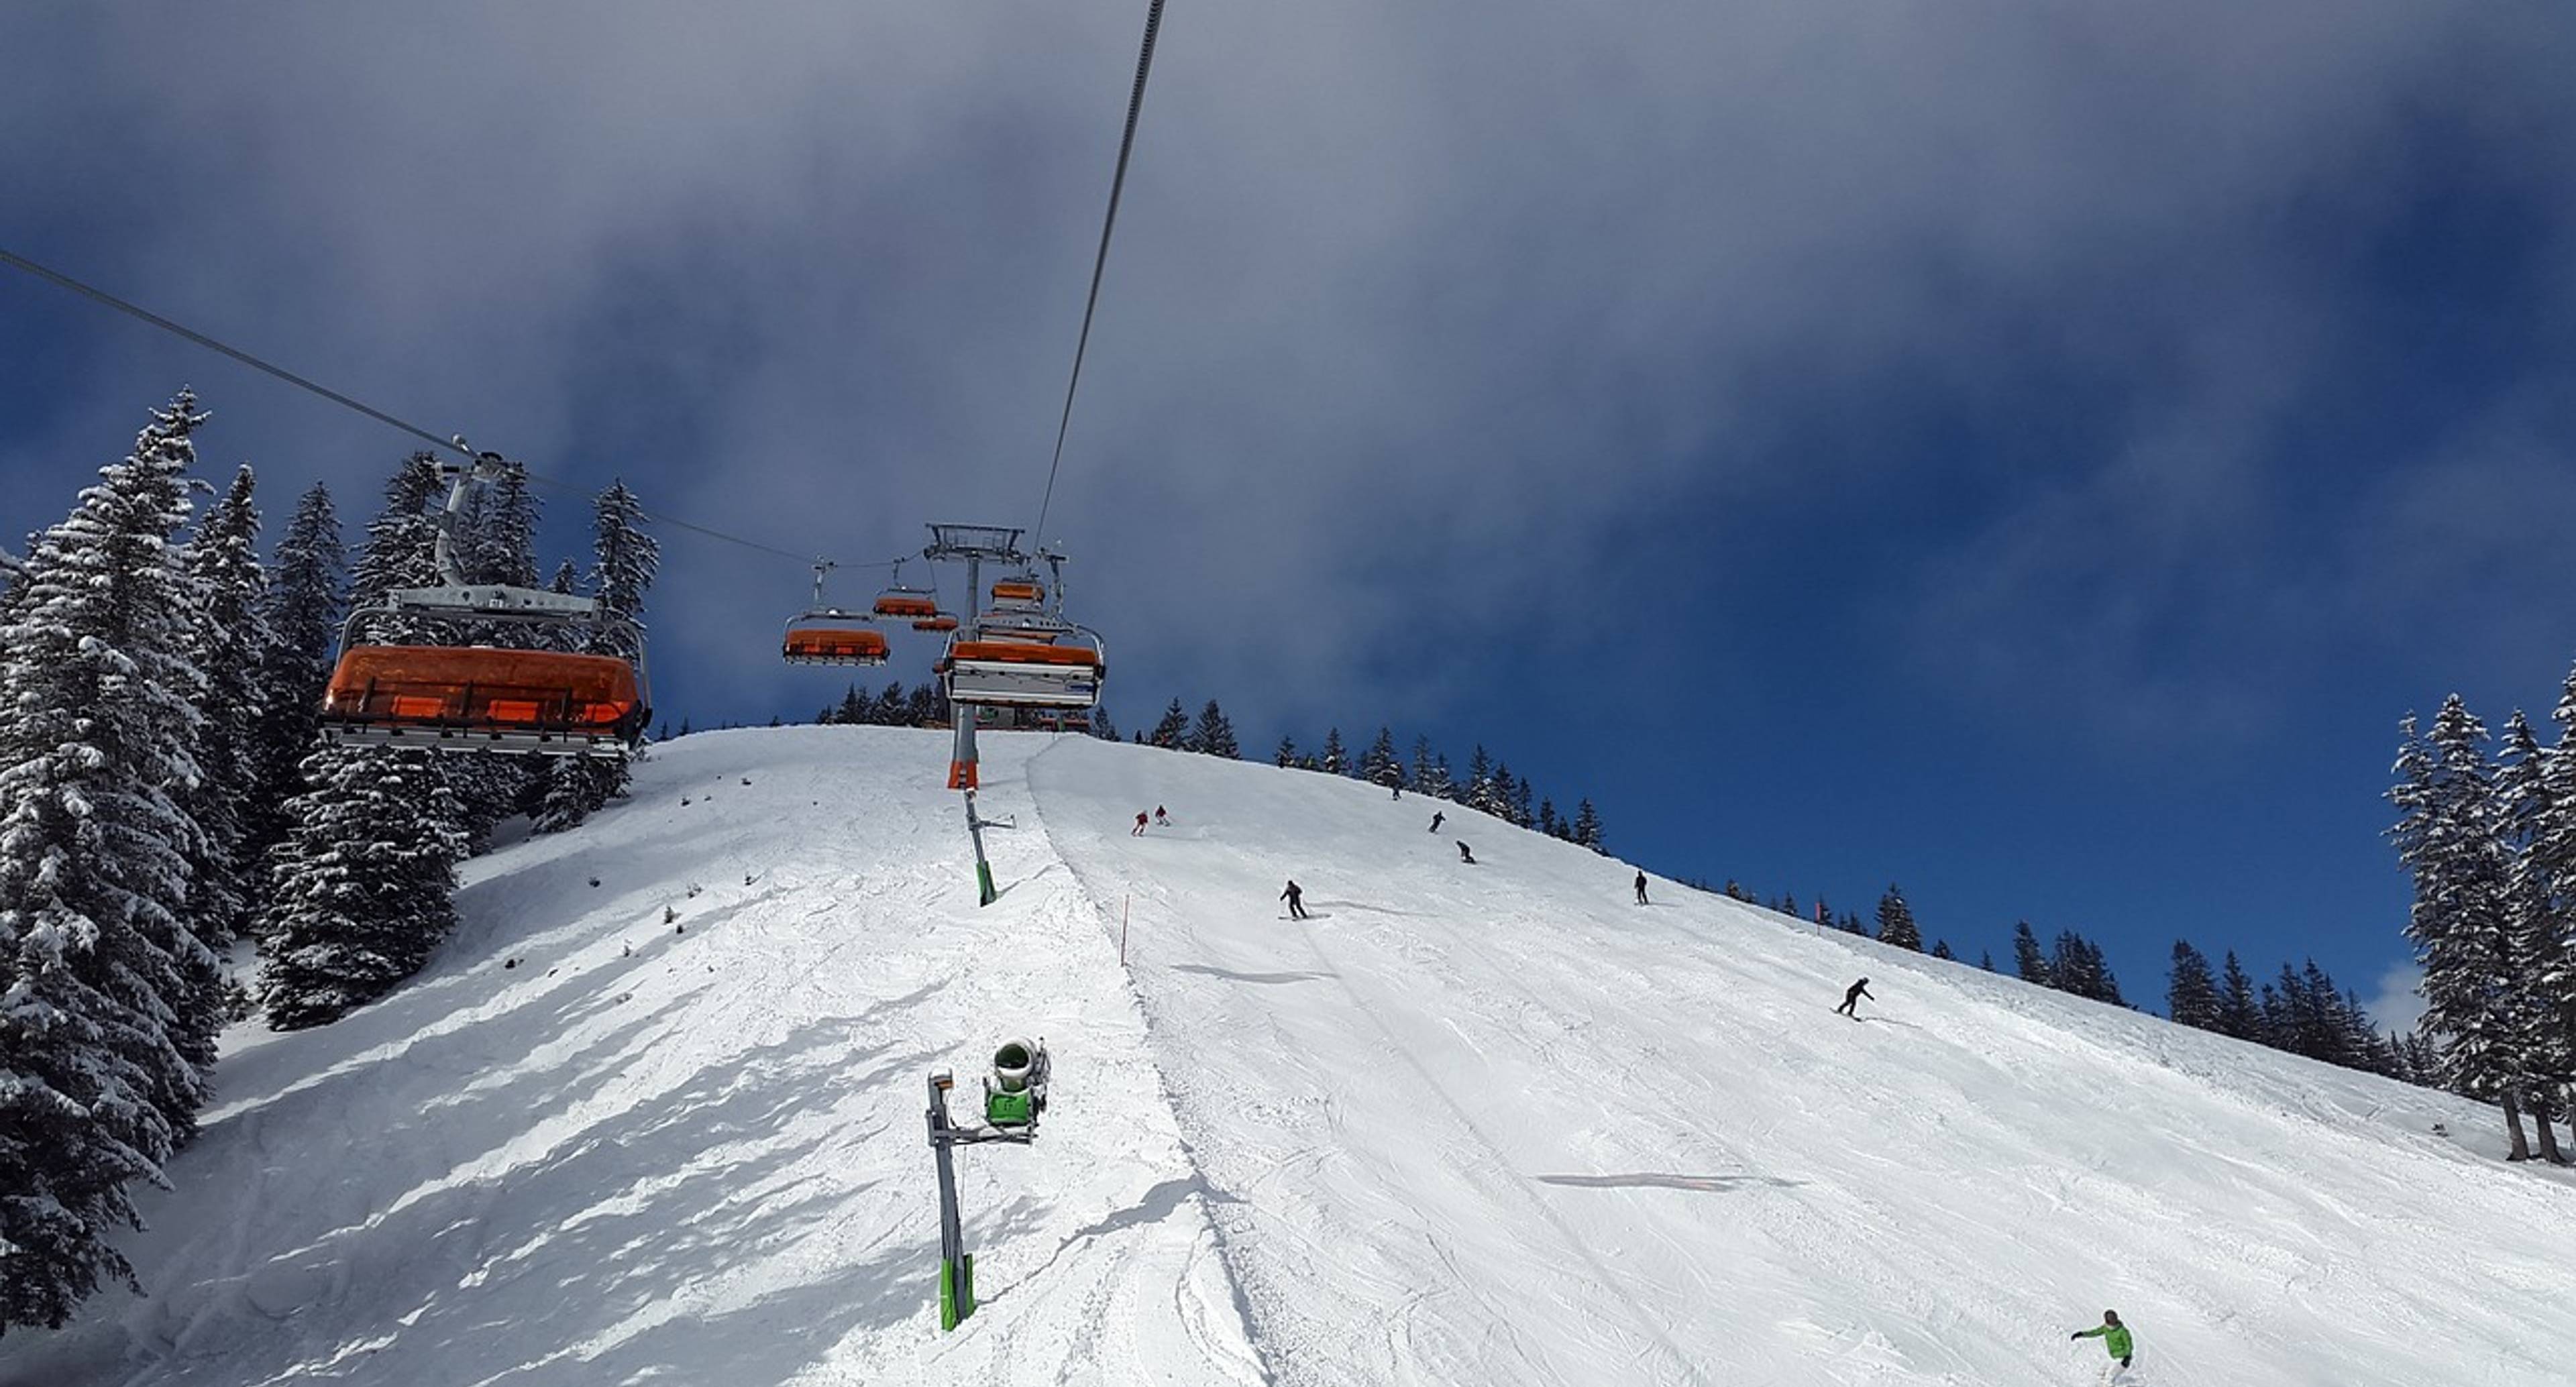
column 111, row 1000
column 1480, row 781
column 1336, row 761
column 1850, row 924
column 365, row 883
column 1419, row 778
column 2191, row 994
column 1986, row 960
column 889, row 706
column 302, row 612
column 1213, row 735
column 229, row 643
column 1587, row 826
column 1173, row 732
column 402, row 541
column 2534, row 907
column 499, row 539
column 1380, row 766
column 2028, row 962
column 2446, row 838
column 2077, row 966
column 1941, row 949
column 1101, row 726
column 1896, row 921
column 2238, row 1014
column 624, row 562
column 1547, row 821
column 1443, row 784
column 1286, row 756
column 1521, row 813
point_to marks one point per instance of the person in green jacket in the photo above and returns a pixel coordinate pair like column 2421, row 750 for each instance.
column 2113, row 1334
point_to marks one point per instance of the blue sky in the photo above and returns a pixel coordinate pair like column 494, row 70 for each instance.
column 2028, row 453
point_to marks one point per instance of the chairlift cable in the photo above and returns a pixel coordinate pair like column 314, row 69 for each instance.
column 449, row 444
column 1100, row 261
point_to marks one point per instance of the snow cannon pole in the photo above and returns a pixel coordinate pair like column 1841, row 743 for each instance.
column 956, row 1265
column 956, row 1269
column 984, row 892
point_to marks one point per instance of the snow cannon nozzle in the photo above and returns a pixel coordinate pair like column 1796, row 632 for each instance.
column 1011, row 1065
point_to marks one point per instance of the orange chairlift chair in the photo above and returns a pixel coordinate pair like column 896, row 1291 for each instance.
column 468, row 695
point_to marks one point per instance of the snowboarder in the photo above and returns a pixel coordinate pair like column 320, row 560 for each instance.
column 1465, row 856
column 1641, row 887
column 1295, row 896
column 1436, row 817
column 1140, row 825
column 1161, row 819
column 1851, row 998
column 2114, row 1336
column 1395, row 789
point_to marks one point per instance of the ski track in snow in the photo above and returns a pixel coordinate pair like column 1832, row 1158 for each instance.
column 1488, row 1125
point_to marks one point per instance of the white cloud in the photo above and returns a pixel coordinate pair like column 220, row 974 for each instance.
column 2399, row 1001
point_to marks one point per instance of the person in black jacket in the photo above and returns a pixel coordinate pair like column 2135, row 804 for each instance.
column 1641, row 887
column 1852, row 996
column 1465, row 856
column 1296, row 899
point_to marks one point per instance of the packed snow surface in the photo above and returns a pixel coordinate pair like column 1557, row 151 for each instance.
column 1488, row 1123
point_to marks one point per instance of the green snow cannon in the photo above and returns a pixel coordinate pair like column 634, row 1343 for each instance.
column 1015, row 1093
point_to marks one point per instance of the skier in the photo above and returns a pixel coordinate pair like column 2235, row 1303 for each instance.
column 1465, row 856
column 1395, row 789
column 1161, row 820
column 1436, row 817
column 1140, row 825
column 1852, row 996
column 1295, row 896
column 2114, row 1336
column 1641, row 887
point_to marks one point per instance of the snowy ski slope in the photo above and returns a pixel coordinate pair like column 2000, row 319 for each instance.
column 1470, row 1124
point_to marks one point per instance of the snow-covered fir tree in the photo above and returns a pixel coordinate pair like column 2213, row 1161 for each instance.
column 2239, row 1014
column 1587, row 826
column 402, row 541
column 496, row 542
column 1335, row 760
column 1380, row 766
column 2533, row 905
column 2191, row 994
column 624, row 561
column 1101, row 726
column 2029, row 963
column 1213, row 735
column 1896, row 921
column 1286, row 755
column 111, row 1001
column 2446, row 838
column 365, row 886
column 306, row 598
column 230, row 644
column 2076, row 965
column 1172, row 731
column 2549, row 942
column 1941, row 949
column 1479, row 792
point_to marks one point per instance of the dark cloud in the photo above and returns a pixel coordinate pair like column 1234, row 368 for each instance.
column 1420, row 314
